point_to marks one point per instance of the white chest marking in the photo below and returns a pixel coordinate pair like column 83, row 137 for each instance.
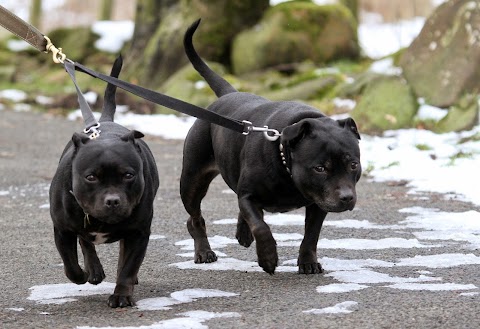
column 99, row 238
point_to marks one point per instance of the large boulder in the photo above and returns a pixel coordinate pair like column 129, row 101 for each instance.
column 293, row 32
column 461, row 116
column 387, row 102
column 443, row 62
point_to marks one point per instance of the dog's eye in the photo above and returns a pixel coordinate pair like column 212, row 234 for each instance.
column 354, row 165
column 320, row 169
column 128, row 176
column 91, row 178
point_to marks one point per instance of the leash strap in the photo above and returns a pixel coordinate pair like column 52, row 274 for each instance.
column 170, row 102
column 27, row 32
column 91, row 124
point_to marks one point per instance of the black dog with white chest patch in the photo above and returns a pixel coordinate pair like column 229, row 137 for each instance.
column 102, row 192
column 315, row 164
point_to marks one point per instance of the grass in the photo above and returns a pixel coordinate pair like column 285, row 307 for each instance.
column 460, row 155
column 423, row 147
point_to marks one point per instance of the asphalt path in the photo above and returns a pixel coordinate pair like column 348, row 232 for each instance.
column 30, row 146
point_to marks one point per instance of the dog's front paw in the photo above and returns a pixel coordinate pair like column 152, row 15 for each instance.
column 267, row 254
column 207, row 256
column 310, row 268
column 96, row 276
column 78, row 277
column 268, row 262
column 244, row 235
column 115, row 301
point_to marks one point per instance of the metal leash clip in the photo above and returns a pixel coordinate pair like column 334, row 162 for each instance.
column 95, row 132
column 58, row 55
column 251, row 128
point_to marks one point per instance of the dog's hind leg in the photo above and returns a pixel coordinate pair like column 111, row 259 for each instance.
column 197, row 173
column 307, row 258
column 92, row 264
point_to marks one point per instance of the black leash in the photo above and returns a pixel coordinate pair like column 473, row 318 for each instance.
column 167, row 101
column 41, row 42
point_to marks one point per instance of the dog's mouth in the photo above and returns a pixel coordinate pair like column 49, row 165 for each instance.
column 111, row 216
column 335, row 206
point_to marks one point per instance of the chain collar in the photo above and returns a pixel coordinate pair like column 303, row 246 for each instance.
column 285, row 156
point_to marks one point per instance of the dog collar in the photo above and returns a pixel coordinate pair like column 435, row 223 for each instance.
column 86, row 217
column 285, row 156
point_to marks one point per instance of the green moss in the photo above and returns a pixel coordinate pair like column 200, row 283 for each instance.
column 460, row 155
column 387, row 103
column 293, row 32
column 462, row 116
column 367, row 171
column 356, row 88
column 391, row 164
column 423, row 147
column 474, row 138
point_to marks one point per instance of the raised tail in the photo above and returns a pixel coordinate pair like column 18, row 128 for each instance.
column 218, row 84
column 109, row 103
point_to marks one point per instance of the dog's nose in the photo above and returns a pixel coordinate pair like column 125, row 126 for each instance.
column 346, row 196
column 112, row 201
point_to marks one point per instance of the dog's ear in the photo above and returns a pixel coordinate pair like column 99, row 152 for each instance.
column 79, row 139
column 131, row 136
column 350, row 124
column 291, row 135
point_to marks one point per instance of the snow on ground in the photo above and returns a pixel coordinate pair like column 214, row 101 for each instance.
column 112, row 34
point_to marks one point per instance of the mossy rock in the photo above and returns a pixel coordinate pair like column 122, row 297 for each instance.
column 293, row 32
column 387, row 103
column 462, row 116
column 356, row 88
column 304, row 90
column 77, row 43
column 7, row 73
column 443, row 62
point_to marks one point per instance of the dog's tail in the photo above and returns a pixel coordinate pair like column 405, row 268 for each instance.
column 218, row 84
column 109, row 103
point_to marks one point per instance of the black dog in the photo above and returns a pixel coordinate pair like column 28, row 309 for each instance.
column 102, row 192
column 315, row 164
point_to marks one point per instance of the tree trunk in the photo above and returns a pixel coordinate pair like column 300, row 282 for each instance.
column 106, row 10
column 156, row 50
column 36, row 13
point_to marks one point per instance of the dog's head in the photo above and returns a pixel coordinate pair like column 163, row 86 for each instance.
column 107, row 176
column 324, row 160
